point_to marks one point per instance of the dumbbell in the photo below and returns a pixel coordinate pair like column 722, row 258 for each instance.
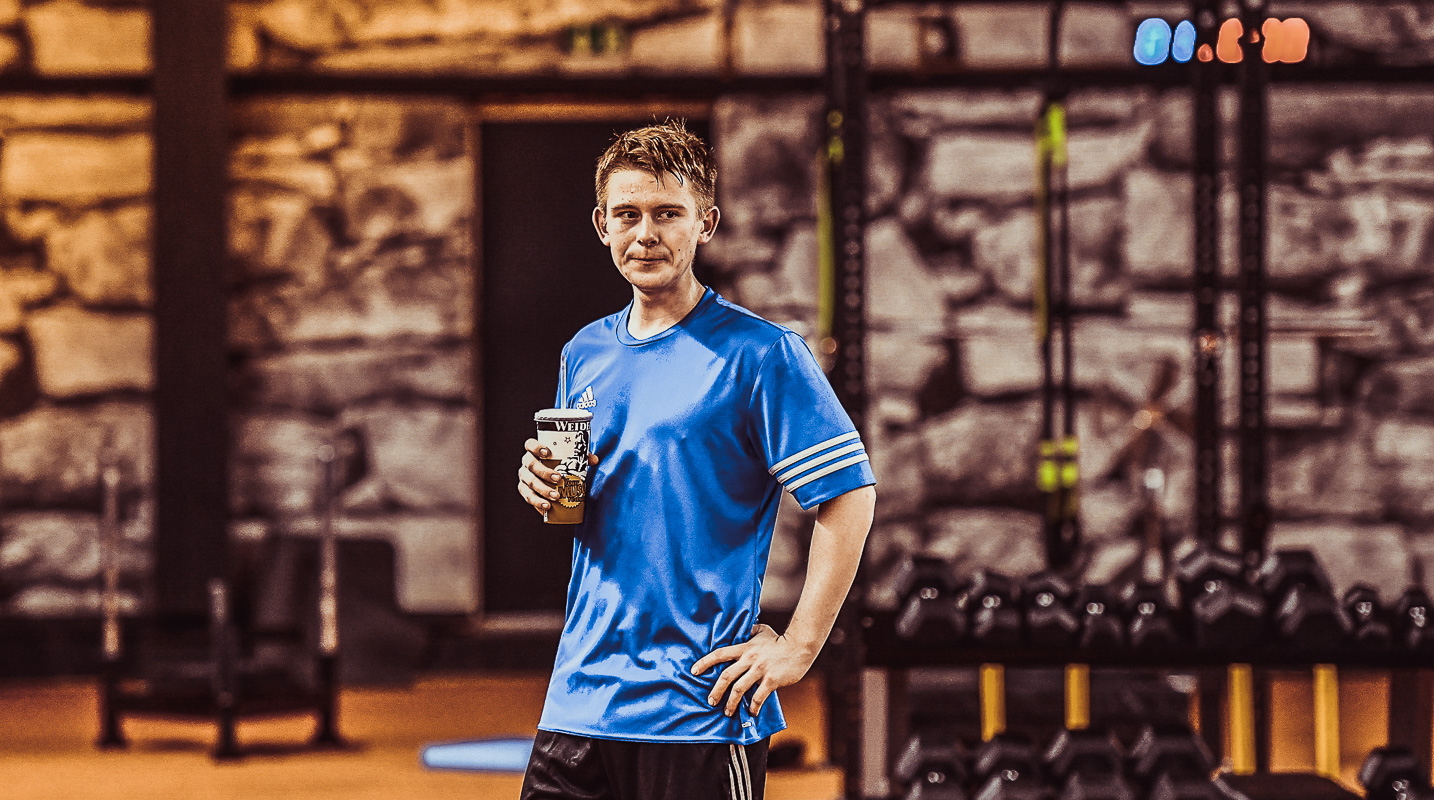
column 1371, row 622
column 1225, row 610
column 931, row 609
column 1100, row 625
column 1046, row 600
column 1393, row 773
column 990, row 599
column 933, row 764
column 1306, row 613
column 1086, row 765
column 1007, row 767
column 1152, row 618
column 1414, row 620
column 1169, row 762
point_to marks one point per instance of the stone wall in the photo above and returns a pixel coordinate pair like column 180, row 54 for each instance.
column 352, row 269
column 75, row 327
column 954, row 363
column 663, row 37
column 351, row 231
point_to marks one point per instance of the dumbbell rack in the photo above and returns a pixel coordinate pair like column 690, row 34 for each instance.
column 1411, row 704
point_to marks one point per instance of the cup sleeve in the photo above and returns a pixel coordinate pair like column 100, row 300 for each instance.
column 801, row 430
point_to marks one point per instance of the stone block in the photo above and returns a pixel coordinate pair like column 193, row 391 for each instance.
column 72, row 38
column 290, row 171
column 1332, row 477
column 9, row 12
column 327, row 381
column 919, row 114
column 274, row 468
column 766, row 160
column 901, row 362
column 1095, row 35
column 302, row 25
column 1391, row 164
column 1293, row 364
column 78, row 352
column 1100, row 156
column 104, row 256
column 423, row 198
column 1112, row 357
column 1375, row 554
column 1405, row 449
column 1405, row 385
column 397, row 293
column 63, row 547
column 1159, row 242
column 436, row 557
column 52, row 452
column 885, row 163
column 1391, row 233
column 778, row 39
column 278, row 233
column 902, row 292
column 245, row 48
column 35, row 111
column 1002, row 36
column 1307, row 122
column 73, row 168
column 983, row 453
column 893, row 38
column 896, row 461
column 1007, row 252
column 21, row 285
column 992, row 366
column 1003, row 540
column 686, row 45
column 969, row 166
column 420, row 457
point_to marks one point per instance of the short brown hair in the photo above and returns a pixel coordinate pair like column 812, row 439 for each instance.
column 657, row 150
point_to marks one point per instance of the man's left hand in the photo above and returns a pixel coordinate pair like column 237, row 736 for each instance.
column 767, row 660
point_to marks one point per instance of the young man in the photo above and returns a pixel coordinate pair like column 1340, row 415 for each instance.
column 703, row 413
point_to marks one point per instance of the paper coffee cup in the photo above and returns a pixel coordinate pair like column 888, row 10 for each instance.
column 565, row 432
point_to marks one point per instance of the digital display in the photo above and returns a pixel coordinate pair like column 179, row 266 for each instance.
column 1282, row 40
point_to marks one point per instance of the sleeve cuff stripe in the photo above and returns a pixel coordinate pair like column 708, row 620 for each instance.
column 824, row 471
column 817, row 461
column 787, row 462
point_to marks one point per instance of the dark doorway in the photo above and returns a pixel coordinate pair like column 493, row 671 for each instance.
column 545, row 275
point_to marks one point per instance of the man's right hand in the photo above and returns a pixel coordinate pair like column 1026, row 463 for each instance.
column 537, row 483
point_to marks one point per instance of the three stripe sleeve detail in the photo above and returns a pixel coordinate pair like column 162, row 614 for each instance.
column 816, row 461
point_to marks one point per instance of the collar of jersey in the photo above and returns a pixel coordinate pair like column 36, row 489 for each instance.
column 627, row 338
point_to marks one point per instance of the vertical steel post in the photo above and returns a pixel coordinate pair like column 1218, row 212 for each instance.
column 111, row 734
column 1207, row 337
column 1254, row 102
column 845, row 135
column 326, row 731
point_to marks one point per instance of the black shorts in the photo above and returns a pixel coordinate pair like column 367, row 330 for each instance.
column 566, row 767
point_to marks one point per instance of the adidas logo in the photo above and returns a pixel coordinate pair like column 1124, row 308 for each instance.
column 587, row 400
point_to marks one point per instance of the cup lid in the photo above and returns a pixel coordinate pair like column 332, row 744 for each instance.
column 563, row 414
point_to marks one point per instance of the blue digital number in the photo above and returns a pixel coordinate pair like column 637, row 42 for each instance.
column 1182, row 49
column 1152, row 42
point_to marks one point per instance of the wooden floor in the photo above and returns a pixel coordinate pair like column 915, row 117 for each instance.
column 47, row 731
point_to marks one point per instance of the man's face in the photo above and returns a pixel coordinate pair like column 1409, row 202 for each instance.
column 652, row 227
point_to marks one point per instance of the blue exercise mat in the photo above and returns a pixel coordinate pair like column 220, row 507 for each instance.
column 484, row 755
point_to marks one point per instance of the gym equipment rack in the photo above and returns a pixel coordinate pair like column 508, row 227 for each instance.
column 870, row 646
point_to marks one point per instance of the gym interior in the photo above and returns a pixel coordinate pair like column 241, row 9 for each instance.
column 1132, row 304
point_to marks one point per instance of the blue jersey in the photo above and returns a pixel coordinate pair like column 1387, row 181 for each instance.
column 699, row 428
